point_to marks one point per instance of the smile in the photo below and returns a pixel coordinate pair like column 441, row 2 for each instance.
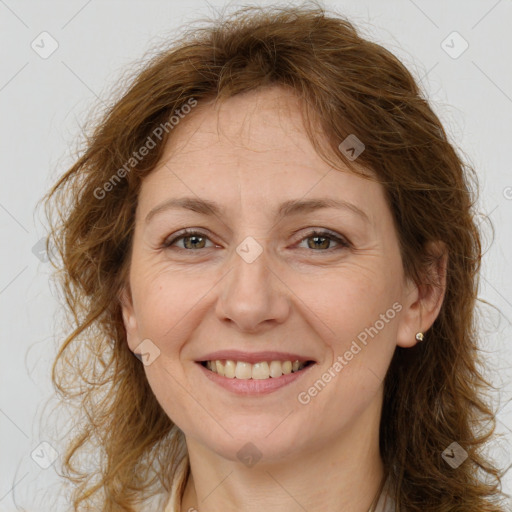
column 257, row 371
column 253, row 379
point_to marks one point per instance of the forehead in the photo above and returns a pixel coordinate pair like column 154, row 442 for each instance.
column 251, row 148
column 240, row 124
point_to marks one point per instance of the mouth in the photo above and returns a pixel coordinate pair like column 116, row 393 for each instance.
column 262, row 370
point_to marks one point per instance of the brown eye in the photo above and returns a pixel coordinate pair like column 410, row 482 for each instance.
column 319, row 241
column 323, row 239
column 192, row 240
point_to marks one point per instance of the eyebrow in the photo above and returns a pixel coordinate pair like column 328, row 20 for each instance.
column 286, row 209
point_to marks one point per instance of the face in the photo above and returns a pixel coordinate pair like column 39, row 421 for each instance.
column 263, row 279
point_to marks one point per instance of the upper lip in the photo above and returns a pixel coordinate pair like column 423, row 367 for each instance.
column 253, row 357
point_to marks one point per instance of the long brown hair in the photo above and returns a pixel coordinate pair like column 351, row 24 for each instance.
column 433, row 394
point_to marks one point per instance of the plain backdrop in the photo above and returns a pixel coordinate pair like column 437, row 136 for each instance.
column 60, row 58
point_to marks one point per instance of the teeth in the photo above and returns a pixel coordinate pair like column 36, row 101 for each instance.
column 243, row 370
column 288, row 366
column 276, row 369
column 229, row 369
column 259, row 371
column 220, row 368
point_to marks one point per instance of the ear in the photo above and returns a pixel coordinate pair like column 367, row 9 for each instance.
column 129, row 318
column 422, row 302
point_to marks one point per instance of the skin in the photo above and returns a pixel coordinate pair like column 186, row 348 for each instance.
column 249, row 154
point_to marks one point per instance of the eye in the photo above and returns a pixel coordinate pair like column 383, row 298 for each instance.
column 320, row 239
column 196, row 240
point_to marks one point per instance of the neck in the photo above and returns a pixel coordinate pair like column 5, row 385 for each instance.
column 340, row 474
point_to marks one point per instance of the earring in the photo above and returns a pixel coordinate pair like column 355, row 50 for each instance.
column 419, row 336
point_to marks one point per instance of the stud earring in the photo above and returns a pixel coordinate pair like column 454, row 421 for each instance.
column 419, row 336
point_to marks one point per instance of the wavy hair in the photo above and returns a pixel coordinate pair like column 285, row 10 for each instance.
column 434, row 393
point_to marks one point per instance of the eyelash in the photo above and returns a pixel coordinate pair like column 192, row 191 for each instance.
column 186, row 233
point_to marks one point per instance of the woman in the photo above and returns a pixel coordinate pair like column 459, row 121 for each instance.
column 272, row 220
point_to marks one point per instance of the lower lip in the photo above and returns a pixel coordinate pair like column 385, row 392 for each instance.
column 253, row 387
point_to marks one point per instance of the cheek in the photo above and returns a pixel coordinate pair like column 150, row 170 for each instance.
column 361, row 340
column 352, row 312
column 168, row 302
column 349, row 299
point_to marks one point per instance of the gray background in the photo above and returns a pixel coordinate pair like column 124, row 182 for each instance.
column 44, row 102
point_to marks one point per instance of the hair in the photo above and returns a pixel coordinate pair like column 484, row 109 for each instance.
column 434, row 393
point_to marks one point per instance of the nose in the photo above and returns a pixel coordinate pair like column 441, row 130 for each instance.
column 253, row 295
